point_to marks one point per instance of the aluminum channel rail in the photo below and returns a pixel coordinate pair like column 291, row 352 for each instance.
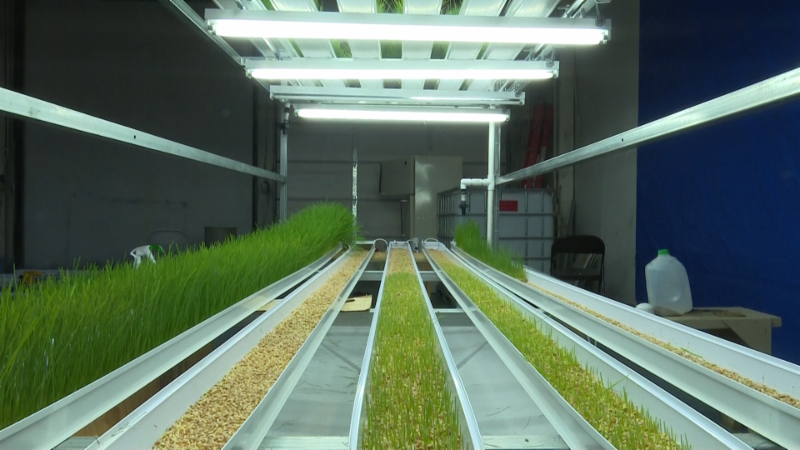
column 468, row 418
column 32, row 108
column 364, row 378
column 773, row 419
column 53, row 424
column 359, row 407
column 684, row 421
column 144, row 426
column 570, row 425
column 255, row 429
column 773, row 90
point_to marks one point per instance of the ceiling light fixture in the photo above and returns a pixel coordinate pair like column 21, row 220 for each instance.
column 405, row 27
column 402, row 114
column 337, row 69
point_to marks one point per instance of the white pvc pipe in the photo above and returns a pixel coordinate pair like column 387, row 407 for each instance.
column 284, row 168
column 490, row 188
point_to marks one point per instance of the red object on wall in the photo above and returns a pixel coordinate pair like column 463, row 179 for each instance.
column 509, row 205
column 538, row 141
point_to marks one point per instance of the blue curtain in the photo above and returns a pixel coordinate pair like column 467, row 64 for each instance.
column 724, row 199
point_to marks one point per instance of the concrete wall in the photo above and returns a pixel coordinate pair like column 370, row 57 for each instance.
column 137, row 64
column 321, row 158
column 606, row 91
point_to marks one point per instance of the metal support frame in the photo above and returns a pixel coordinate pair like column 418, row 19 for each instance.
column 379, row 96
column 31, row 108
column 284, row 167
column 768, row 92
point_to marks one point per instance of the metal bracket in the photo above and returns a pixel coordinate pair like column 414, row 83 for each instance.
column 599, row 20
column 284, row 125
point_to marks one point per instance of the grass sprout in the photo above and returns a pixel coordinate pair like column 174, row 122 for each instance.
column 408, row 403
column 341, row 49
column 614, row 416
column 61, row 334
column 468, row 238
column 390, row 6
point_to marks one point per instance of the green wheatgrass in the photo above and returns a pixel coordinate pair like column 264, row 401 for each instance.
column 60, row 335
column 468, row 238
column 622, row 423
column 409, row 404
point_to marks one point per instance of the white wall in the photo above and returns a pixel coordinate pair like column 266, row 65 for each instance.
column 137, row 64
column 607, row 103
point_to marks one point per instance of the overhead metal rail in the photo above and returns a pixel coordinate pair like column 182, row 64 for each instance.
column 762, row 413
column 31, row 108
column 53, row 424
column 783, row 87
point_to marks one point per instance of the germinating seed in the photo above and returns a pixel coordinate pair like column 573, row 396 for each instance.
column 408, row 403
column 213, row 420
column 616, row 418
column 59, row 336
column 764, row 389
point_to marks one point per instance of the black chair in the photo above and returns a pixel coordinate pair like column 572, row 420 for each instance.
column 579, row 259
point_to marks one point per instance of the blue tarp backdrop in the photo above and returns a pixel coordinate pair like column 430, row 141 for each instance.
column 725, row 199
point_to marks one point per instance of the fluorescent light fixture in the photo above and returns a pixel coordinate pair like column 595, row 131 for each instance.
column 338, row 69
column 462, row 115
column 405, row 27
column 381, row 96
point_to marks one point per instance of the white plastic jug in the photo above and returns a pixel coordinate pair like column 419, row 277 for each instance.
column 668, row 285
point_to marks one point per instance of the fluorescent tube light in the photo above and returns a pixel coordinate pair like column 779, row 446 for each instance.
column 406, row 27
column 403, row 115
column 337, row 69
column 398, row 74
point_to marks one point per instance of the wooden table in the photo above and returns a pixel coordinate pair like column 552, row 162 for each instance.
column 741, row 325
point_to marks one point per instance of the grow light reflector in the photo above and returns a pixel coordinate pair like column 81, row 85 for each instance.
column 402, row 114
column 405, row 27
column 337, row 69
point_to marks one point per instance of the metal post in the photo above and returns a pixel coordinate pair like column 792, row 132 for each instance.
column 498, row 144
column 355, row 174
column 490, row 187
column 284, row 166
